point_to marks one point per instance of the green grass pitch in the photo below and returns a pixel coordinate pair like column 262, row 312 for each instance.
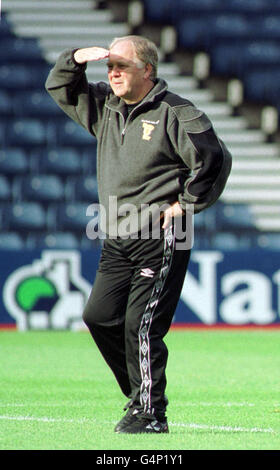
column 58, row 394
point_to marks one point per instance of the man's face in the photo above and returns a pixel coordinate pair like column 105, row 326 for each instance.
column 127, row 75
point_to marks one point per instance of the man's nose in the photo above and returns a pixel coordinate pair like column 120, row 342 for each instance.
column 115, row 71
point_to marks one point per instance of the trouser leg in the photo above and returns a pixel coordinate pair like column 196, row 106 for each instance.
column 130, row 310
column 151, row 305
column 104, row 315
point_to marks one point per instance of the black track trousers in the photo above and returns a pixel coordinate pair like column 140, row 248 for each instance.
column 130, row 310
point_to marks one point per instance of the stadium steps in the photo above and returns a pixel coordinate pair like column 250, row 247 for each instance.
column 256, row 164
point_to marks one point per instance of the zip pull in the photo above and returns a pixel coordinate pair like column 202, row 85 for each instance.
column 122, row 135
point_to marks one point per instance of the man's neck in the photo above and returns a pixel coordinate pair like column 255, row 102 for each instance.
column 141, row 96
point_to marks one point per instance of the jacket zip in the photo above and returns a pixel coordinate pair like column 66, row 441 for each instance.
column 125, row 122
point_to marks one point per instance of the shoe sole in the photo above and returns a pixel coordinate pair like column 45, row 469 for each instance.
column 151, row 430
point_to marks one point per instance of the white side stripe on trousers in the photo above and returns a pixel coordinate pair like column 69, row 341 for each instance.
column 143, row 335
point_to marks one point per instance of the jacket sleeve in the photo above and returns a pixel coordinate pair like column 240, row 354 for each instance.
column 203, row 153
column 68, row 86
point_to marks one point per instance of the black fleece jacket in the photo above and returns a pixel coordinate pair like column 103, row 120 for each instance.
column 166, row 150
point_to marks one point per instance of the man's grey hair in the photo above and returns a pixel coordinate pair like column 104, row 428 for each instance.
column 145, row 49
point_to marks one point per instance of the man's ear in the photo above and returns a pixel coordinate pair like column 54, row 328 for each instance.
column 148, row 70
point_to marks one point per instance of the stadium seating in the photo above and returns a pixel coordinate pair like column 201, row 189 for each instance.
column 5, row 30
column 11, row 241
column 269, row 241
column 24, row 217
column 263, row 86
column 234, row 217
column 63, row 161
column 71, row 216
column 20, row 50
column 53, row 240
column 70, row 133
column 234, row 60
column 267, row 27
column 82, row 188
column 89, row 160
column 6, row 108
column 35, row 103
column 13, row 161
column 5, row 189
column 158, row 14
column 2, row 133
column 48, row 162
column 229, row 241
column 42, row 188
column 252, row 7
column 27, row 132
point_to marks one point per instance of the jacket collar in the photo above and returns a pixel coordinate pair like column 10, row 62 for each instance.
column 117, row 104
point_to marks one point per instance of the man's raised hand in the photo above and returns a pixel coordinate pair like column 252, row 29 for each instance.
column 88, row 54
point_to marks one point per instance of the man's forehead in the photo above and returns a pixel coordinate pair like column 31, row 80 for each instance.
column 122, row 51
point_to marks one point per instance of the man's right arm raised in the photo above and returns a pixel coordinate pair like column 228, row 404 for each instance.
column 68, row 86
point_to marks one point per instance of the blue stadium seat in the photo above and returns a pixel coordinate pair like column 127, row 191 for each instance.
column 199, row 221
column 231, row 27
column 26, row 132
column 194, row 33
column 2, row 134
column 88, row 244
column 89, row 156
column 70, row 133
column 230, row 241
column 5, row 28
column 72, row 216
column 167, row 12
column 269, row 241
column 35, row 103
column 25, row 216
column 82, row 188
column 234, row 217
column 5, row 189
column 55, row 240
column 14, row 76
column 6, row 107
column 263, row 86
column 63, row 161
column 42, row 188
column 19, row 49
column 201, row 241
column 240, row 58
column 267, row 27
column 226, row 59
column 158, row 14
column 208, row 30
column 13, row 161
column 201, row 7
column 250, row 6
column 260, row 53
column 11, row 241
column 236, row 59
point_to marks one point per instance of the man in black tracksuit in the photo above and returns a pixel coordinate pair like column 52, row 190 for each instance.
column 158, row 159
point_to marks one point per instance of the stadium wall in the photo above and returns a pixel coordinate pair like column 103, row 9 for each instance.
column 48, row 289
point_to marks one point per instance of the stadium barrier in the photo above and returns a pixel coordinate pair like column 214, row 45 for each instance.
column 48, row 289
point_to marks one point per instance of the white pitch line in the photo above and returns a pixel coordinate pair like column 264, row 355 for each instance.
column 221, row 428
column 45, row 419
column 219, row 405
